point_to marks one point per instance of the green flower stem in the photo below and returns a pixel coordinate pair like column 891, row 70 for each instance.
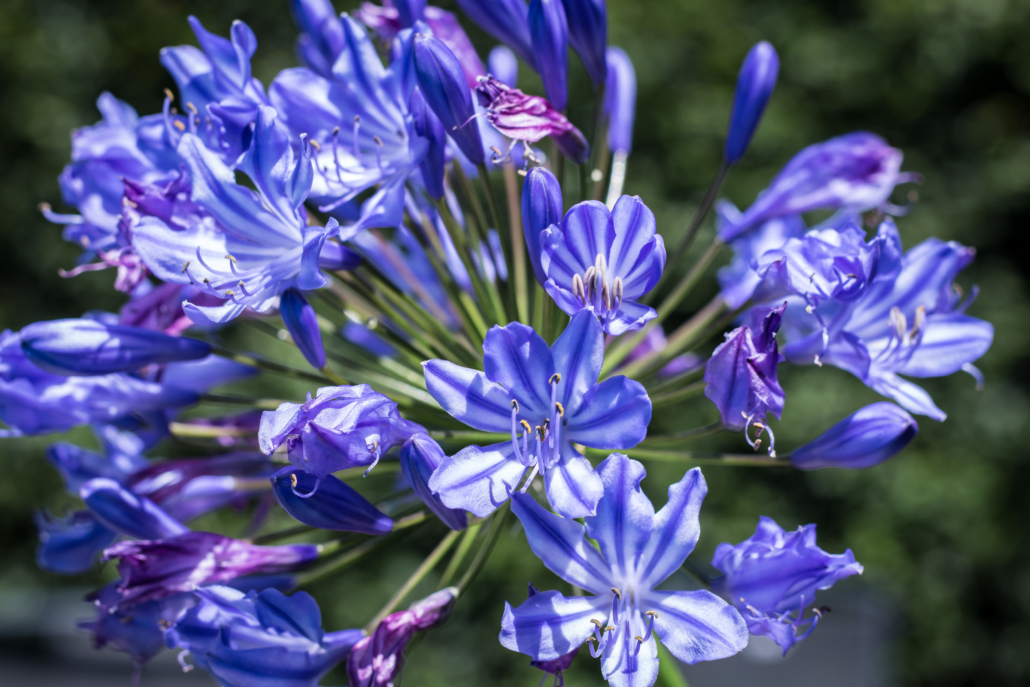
column 282, row 534
column 460, row 553
column 497, row 520
column 462, row 247
column 657, row 440
column 335, row 377
column 598, row 151
column 185, row 429
column 518, row 268
column 428, row 564
column 259, row 403
column 700, row 457
column 257, row 361
column 670, row 397
column 685, row 337
column 669, row 669
column 478, row 228
column 469, row 436
column 699, row 216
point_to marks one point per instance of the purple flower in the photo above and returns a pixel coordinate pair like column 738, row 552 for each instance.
column 588, row 34
column 910, row 323
column 33, row 401
column 529, row 118
column 121, row 510
column 433, row 166
column 556, row 666
column 88, row 347
column 163, row 567
column 620, row 100
column 70, row 545
column 420, row 457
column 302, row 324
column 444, row 87
column 344, row 426
column 604, row 261
column 321, row 40
column 553, row 397
column 328, row 503
column 378, row 659
column 637, row 550
column 505, row 20
column 774, row 574
column 259, row 243
column 550, row 34
column 503, row 65
column 741, row 376
column 854, row 172
column 264, row 639
column 865, row 438
column 739, row 280
column 755, row 85
column 541, row 207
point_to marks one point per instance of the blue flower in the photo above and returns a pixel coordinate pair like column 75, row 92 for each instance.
column 321, row 39
column 344, row 426
column 755, row 85
column 254, row 244
column 865, row 438
column 420, row 457
column 541, row 207
column 88, row 347
column 127, row 513
column 264, row 639
column 603, row 261
column 637, row 550
column 70, row 545
column 774, row 574
column 333, row 505
column 550, row 33
column 505, row 20
column 443, row 85
column 357, row 117
column 620, row 100
column 738, row 280
column 741, row 376
column 302, row 324
column 854, row 172
column 588, row 34
column 553, row 397
column 912, row 324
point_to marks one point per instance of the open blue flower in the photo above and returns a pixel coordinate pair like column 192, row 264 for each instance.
column 603, row 261
column 553, row 397
column 252, row 245
column 264, row 639
column 912, row 324
column 774, row 574
column 623, row 612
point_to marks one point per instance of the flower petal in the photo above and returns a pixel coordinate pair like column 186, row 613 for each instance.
column 578, row 356
column 562, row 546
column 548, row 625
column 478, row 479
column 629, row 317
column 614, row 414
column 676, row 528
column 950, row 341
column 909, row 396
column 588, row 231
column 698, row 626
column 518, row 359
column 468, row 396
column 573, row 488
column 622, row 525
column 627, row 662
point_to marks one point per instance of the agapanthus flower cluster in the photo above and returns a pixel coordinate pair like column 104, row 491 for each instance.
column 453, row 325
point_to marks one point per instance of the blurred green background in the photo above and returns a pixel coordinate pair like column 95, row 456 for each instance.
column 943, row 529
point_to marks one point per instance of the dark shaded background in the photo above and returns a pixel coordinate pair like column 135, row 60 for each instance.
column 942, row 529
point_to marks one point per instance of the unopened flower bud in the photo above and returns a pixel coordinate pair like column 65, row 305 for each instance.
column 754, row 87
column 444, row 87
column 302, row 323
column 327, row 503
column 427, row 125
column 541, row 207
column 503, row 65
column 550, row 33
column 620, row 100
column 420, row 456
column 588, row 34
column 863, row 439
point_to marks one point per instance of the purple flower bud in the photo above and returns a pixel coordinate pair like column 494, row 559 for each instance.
column 588, row 34
column 505, row 20
column 433, row 165
column 550, row 34
column 541, row 207
column 620, row 100
column 410, row 11
column 378, row 659
column 444, row 87
column 741, row 375
column 123, row 511
column 302, row 323
column 755, row 85
column 337, row 257
column 420, row 456
column 503, row 65
column 87, row 347
column 863, row 439
column 328, row 504
column 160, row 568
column 70, row 545
column 529, row 118
column 774, row 574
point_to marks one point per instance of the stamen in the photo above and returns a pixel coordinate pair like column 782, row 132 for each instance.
column 515, row 405
column 651, row 613
column 617, row 593
column 639, row 639
column 185, row 266
column 169, row 95
column 375, row 448
column 354, row 143
column 561, row 409
column 296, row 493
column 314, row 144
column 596, row 622
column 555, row 378
column 293, row 480
column 525, row 425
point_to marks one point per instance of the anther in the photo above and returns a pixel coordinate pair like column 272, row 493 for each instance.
column 179, row 125
column 515, row 405
column 229, row 293
column 617, row 593
column 336, row 130
column 555, row 378
column 378, row 141
column 169, row 94
column 610, row 628
column 617, row 288
column 525, row 425
column 314, row 144
column 639, row 639
column 293, row 480
column 596, row 622
column 652, row 614
column 577, row 286
column 540, row 431
column 185, row 266
column 561, row 409
column 230, row 258
column 191, row 107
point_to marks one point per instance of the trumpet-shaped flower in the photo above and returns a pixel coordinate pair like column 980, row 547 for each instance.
column 623, row 613
column 604, row 261
column 912, row 324
column 865, row 438
column 334, row 505
column 264, row 639
column 774, row 574
column 255, row 244
column 548, row 399
column 342, row 427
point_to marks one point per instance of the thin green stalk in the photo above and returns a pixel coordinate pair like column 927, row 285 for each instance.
column 190, row 431
column 701, row 457
column 282, row 534
column 599, row 150
column 699, row 574
column 470, row 436
column 671, row 397
column 257, row 361
column 558, row 166
column 428, row 564
column 539, row 297
column 334, row 376
column 259, row 403
column 518, row 268
column 461, row 245
column 459, row 555
column 699, row 216
column 497, row 521
column 686, row 336
column 339, row 563
column 654, row 441
column 669, row 669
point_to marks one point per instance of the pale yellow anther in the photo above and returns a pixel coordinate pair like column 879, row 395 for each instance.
column 596, row 622
column 293, row 480
column 515, row 405
column 179, row 125
column 229, row 293
column 561, row 409
column 617, row 593
column 314, row 144
column 652, row 614
column 169, row 94
column 639, row 639
column 525, row 425
column 230, row 258
column 185, row 266
column 555, row 378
